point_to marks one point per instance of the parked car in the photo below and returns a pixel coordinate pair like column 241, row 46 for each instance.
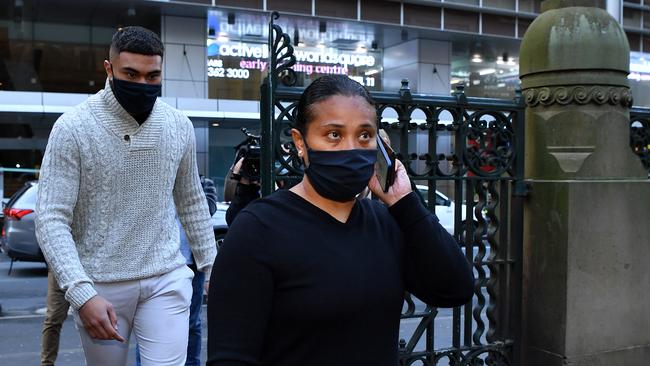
column 18, row 240
column 219, row 223
column 444, row 209
column 18, row 237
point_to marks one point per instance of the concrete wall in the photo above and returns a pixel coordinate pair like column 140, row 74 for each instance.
column 184, row 67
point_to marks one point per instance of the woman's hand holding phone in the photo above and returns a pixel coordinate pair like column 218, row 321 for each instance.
column 398, row 190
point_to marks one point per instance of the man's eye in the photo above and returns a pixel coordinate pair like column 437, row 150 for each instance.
column 365, row 135
column 130, row 75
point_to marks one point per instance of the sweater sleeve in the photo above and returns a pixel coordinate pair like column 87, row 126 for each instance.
column 57, row 196
column 241, row 292
column 436, row 270
column 192, row 206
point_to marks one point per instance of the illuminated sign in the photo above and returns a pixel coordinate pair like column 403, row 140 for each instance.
column 238, row 56
column 314, row 60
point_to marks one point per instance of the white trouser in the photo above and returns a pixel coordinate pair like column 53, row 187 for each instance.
column 156, row 309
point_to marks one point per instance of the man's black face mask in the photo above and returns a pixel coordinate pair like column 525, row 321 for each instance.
column 137, row 99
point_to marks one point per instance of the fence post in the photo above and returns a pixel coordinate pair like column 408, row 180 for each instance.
column 585, row 219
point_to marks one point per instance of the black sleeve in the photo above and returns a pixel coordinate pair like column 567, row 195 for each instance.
column 210, row 194
column 239, row 301
column 436, row 270
column 244, row 194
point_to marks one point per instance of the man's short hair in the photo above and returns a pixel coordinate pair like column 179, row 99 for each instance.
column 138, row 40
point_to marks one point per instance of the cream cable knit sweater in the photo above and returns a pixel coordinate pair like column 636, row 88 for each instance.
column 108, row 194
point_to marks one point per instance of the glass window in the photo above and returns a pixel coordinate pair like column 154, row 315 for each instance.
column 380, row 11
column 632, row 18
column 646, row 44
column 294, row 6
column 646, row 19
column 498, row 24
column 422, row 16
column 253, row 4
column 488, row 70
column 522, row 25
column 27, row 200
column 223, row 136
column 202, row 2
column 500, row 4
column 337, row 8
column 530, row 6
column 461, row 20
column 634, row 40
column 470, row 2
column 60, row 47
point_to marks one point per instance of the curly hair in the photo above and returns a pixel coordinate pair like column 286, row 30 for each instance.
column 138, row 40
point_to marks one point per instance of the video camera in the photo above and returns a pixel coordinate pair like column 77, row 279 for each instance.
column 249, row 150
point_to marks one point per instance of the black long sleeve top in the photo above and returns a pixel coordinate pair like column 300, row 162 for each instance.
column 244, row 194
column 292, row 286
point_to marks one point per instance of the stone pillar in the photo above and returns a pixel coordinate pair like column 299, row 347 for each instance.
column 587, row 217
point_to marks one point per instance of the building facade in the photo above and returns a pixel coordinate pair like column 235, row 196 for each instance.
column 51, row 54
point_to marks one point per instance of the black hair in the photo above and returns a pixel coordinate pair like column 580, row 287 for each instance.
column 138, row 40
column 323, row 88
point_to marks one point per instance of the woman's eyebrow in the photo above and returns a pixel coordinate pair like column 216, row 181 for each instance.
column 333, row 124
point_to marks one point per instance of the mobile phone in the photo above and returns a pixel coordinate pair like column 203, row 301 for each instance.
column 385, row 166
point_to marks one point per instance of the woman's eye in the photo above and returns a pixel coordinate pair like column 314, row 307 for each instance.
column 365, row 136
column 334, row 135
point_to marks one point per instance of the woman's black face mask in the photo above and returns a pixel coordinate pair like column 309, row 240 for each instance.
column 340, row 175
column 137, row 99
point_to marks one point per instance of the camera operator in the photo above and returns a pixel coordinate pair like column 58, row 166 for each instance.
column 247, row 190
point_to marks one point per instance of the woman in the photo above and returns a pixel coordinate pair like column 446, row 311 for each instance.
column 313, row 276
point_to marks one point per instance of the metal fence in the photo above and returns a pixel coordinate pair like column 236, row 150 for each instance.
column 480, row 163
column 640, row 134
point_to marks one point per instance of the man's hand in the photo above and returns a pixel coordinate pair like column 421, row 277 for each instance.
column 99, row 319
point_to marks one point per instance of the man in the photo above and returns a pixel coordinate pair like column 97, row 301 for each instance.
column 116, row 170
column 55, row 315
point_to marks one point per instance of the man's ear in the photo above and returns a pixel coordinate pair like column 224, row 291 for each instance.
column 108, row 68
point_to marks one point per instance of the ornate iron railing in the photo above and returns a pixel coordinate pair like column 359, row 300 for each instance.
column 640, row 134
column 484, row 170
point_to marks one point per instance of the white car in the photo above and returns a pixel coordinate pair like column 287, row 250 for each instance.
column 445, row 208
column 219, row 224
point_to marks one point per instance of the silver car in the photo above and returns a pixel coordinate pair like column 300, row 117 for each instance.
column 18, row 240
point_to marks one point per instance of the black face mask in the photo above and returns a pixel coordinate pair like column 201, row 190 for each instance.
column 136, row 98
column 340, row 175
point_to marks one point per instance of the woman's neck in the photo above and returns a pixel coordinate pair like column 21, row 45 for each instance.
column 339, row 210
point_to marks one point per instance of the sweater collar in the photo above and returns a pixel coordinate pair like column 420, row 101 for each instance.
column 121, row 123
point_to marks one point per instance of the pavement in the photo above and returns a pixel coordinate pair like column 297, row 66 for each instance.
column 22, row 298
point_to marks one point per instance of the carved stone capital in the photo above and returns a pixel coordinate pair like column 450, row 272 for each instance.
column 580, row 95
